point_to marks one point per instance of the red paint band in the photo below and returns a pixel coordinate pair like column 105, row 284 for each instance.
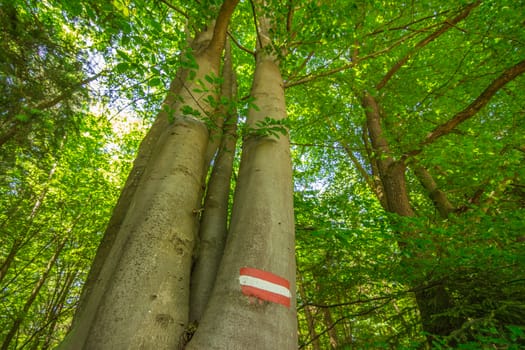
column 265, row 295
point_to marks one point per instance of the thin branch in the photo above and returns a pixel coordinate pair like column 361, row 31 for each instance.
column 323, row 332
column 289, row 18
column 259, row 39
column 377, row 183
column 360, row 301
column 452, row 76
column 176, row 9
column 67, row 93
column 352, row 157
column 320, row 145
column 405, row 26
column 349, row 65
column 438, row 197
column 385, row 25
column 314, row 76
column 301, row 67
column 481, row 101
column 444, row 28
column 362, row 313
column 239, row 45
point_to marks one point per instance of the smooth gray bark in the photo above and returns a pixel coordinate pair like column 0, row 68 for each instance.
column 261, row 232
column 139, row 296
column 214, row 218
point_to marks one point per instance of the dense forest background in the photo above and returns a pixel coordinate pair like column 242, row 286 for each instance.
column 406, row 120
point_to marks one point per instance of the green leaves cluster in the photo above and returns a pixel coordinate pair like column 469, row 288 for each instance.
column 267, row 127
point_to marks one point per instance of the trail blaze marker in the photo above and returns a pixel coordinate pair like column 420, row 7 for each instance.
column 265, row 286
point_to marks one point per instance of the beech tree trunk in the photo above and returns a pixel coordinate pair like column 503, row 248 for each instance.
column 214, row 218
column 114, row 238
column 261, row 235
column 391, row 172
column 138, row 295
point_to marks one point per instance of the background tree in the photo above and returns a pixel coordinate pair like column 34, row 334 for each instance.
column 400, row 132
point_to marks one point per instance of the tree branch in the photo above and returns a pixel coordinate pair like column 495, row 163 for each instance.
column 362, row 313
column 257, row 32
column 221, row 26
column 305, row 62
column 445, row 27
column 388, row 298
column 239, row 45
column 289, row 18
column 407, row 25
column 481, row 101
column 349, row 65
column 176, row 9
column 318, row 75
column 438, row 197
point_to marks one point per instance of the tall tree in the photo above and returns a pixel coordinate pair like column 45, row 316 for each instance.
column 139, row 293
column 259, row 254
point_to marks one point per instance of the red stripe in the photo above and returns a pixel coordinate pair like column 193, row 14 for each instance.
column 265, row 295
column 267, row 276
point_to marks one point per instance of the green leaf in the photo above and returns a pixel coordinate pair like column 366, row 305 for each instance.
column 123, row 55
column 122, row 67
column 22, row 117
column 156, row 81
column 209, row 79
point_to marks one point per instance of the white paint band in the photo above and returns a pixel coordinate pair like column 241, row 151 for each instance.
column 264, row 285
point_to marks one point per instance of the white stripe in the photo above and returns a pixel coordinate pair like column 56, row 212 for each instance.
column 265, row 285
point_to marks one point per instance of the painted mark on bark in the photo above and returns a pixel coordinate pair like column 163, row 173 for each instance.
column 265, row 286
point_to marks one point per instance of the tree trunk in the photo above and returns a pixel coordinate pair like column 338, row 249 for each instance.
column 433, row 300
column 114, row 238
column 214, row 219
column 261, row 236
column 138, row 296
column 224, row 111
column 391, row 172
column 146, row 302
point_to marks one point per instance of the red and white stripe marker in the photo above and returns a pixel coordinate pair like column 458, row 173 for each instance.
column 265, row 286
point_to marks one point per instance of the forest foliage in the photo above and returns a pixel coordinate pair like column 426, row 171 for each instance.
column 432, row 88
